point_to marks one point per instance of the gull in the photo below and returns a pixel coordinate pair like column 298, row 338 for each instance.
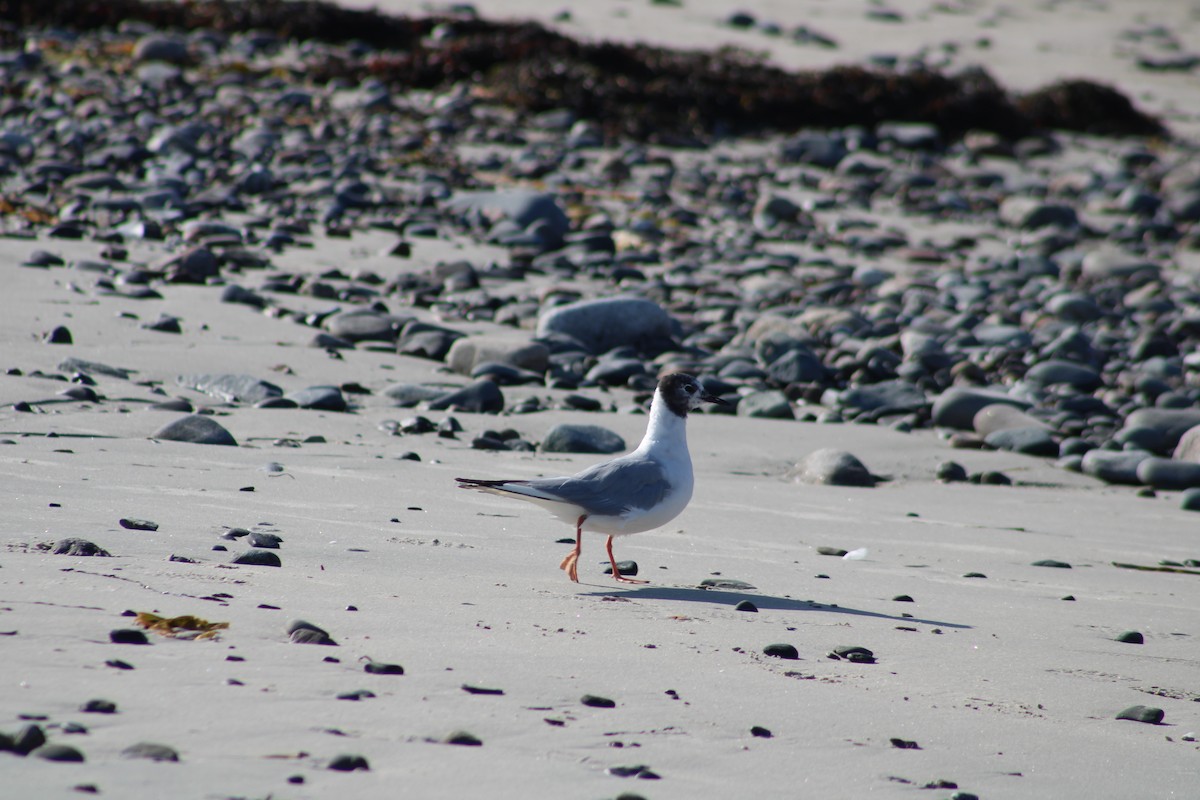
column 636, row 492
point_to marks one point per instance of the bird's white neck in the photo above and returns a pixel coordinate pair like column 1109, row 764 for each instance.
column 666, row 433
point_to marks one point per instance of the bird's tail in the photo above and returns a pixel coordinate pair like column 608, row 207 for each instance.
column 476, row 483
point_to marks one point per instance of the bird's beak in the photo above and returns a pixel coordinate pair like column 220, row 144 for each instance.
column 712, row 398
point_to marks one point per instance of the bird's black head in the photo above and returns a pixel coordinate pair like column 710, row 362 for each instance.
column 682, row 393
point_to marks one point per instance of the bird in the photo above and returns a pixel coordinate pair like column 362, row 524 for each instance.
column 636, row 492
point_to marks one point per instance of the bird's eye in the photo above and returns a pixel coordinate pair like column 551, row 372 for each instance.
column 690, row 388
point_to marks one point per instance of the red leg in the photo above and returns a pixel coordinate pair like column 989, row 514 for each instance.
column 571, row 562
column 616, row 572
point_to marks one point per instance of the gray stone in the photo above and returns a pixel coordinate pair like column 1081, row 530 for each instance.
column 1158, row 429
column 58, row 752
column 1028, row 213
column 1001, row 417
column 242, row 296
column 1166, row 473
column 1190, row 500
column 1188, row 448
column 957, row 406
column 1106, row 263
column 70, row 365
column 258, row 558
column 1027, row 441
column 422, row 340
column 883, row 398
column 321, row 398
column 1055, row 372
column 1112, row 466
column 1147, row 714
column 364, row 325
column 602, row 325
column 569, row 438
column 771, row 404
column 522, row 208
column 151, row 751
column 798, row 365
column 231, row 388
column 481, row 397
column 161, row 47
column 469, row 352
column 831, row 467
column 74, row 546
column 407, row 395
column 196, row 429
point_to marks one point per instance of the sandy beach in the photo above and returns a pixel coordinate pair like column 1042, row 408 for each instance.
column 999, row 613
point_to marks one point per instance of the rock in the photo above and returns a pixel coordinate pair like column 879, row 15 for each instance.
column 1147, row 714
column 770, row 404
column 469, row 352
column 127, row 636
column 422, row 340
column 137, row 524
column 853, row 653
column 1114, row 467
column 951, row 472
column 726, row 583
column 1131, row 637
column 1028, row 441
column 239, row 295
column 1168, row 474
column 161, row 47
column 1158, row 429
column 481, row 397
column 956, row 407
column 99, row 706
column 321, row 398
column 604, row 324
column 381, row 668
column 79, row 547
column 267, row 541
column 231, row 388
column 1050, row 562
column 570, row 438
column 1028, row 213
column 364, row 326
column 831, row 467
column 1001, row 417
column 781, row 651
column 258, row 558
column 595, row 701
column 1190, row 500
column 881, row 399
column 1111, row 263
column 164, row 324
column 151, row 751
column 28, row 739
column 1055, row 372
column 196, row 429
column 798, row 365
column 527, row 211
column 60, row 334
column 746, row 605
column 1188, row 448
column 760, row 732
column 59, row 752
column 463, row 738
column 348, row 763
column 69, row 365
column 407, row 395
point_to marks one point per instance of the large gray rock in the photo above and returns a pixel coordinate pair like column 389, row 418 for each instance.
column 1028, row 213
column 771, row 404
column 364, row 325
column 1112, row 466
column 196, row 429
column 320, row 398
column 231, row 388
column 957, row 406
column 1055, row 372
column 832, row 467
column 469, row 352
column 1166, row 473
column 582, row 439
column 1107, row 263
column 883, row 398
column 481, row 397
column 1158, row 429
column 1188, row 448
column 1003, row 417
column 601, row 325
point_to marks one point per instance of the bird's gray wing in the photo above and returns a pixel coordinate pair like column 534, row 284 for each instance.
column 611, row 488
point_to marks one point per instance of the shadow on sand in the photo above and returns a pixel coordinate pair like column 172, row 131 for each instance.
column 762, row 601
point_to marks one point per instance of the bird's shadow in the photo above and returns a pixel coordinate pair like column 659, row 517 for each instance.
column 762, row 601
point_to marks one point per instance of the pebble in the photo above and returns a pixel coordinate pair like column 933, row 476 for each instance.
column 574, row 438
column 831, row 467
column 781, row 651
column 59, row 752
column 231, row 388
column 853, row 653
column 1190, row 500
column 348, row 762
column 1131, row 637
column 463, row 738
column 79, row 547
column 760, row 732
column 956, row 407
column 99, row 706
column 270, row 541
column 320, row 398
column 151, row 751
column 1147, row 714
column 481, row 397
column 257, row 558
column 137, row 524
column 744, row 605
column 303, row 632
column 595, row 701
column 1050, row 562
column 195, row 429
column 1168, row 474
column 128, row 636
column 1113, row 466
column 611, row 322
column 771, row 404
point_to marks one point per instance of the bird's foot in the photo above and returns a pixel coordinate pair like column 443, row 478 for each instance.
column 571, row 565
column 619, row 578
